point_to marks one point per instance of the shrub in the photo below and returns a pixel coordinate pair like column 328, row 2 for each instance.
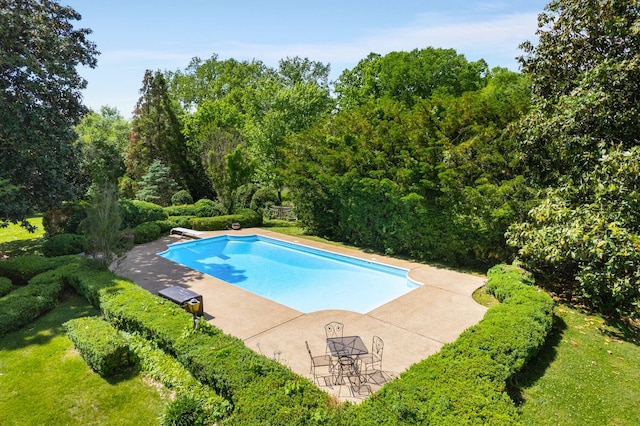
column 181, row 198
column 182, row 221
column 99, row 344
column 242, row 196
column 465, row 382
column 66, row 219
column 167, row 370
column 184, row 210
column 26, row 303
column 246, row 218
column 135, row 212
column 263, row 199
column 63, row 244
column 21, row 269
column 207, row 208
column 184, row 410
column 5, row 286
column 146, row 232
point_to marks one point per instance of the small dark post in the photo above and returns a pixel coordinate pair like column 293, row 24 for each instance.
column 193, row 306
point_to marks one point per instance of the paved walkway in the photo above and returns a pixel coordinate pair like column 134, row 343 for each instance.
column 412, row 326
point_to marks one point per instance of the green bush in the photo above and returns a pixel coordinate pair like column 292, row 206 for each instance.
column 465, row 383
column 5, row 286
column 99, row 344
column 165, row 225
column 167, row 370
column 63, row 244
column 26, row 303
column 183, row 210
column 207, row 208
column 242, row 196
column 136, row 212
column 184, row 410
column 263, row 199
column 146, row 232
column 246, row 218
column 181, row 221
column 21, row 269
column 214, row 358
column 181, row 198
column 66, row 219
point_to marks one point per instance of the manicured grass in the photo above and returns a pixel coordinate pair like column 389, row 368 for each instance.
column 43, row 380
column 16, row 240
column 587, row 374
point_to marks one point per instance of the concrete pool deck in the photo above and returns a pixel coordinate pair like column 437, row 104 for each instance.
column 413, row 326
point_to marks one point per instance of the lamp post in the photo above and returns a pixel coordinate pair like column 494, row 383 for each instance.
column 193, row 306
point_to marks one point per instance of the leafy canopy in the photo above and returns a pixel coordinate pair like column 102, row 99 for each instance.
column 41, row 102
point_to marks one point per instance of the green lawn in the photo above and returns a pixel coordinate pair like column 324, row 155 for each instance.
column 587, row 374
column 16, row 240
column 43, row 380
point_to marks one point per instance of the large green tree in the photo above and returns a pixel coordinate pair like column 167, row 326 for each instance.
column 41, row 102
column 157, row 134
column 103, row 137
column 579, row 145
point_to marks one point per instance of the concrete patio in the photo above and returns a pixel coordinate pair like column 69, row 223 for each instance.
column 412, row 326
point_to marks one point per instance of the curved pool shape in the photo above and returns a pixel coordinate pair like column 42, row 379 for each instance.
column 301, row 277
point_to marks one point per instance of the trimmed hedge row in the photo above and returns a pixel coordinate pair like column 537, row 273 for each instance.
column 26, row 303
column 5, row 286
column 258, row 387
column 99, row 344
column 21, row 269
column 246, row 218
column 204, row 406
column 465, row 382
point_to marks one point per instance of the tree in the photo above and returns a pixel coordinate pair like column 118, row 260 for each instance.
column 579, row 143
column 103, row 137
column 102, row 224
column 41, row 102
column 584, row 237
column 585, row 72
column 157, row 186
column 156, row 133
column 406, row 76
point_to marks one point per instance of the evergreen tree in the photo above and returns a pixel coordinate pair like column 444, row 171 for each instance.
column 157, row 186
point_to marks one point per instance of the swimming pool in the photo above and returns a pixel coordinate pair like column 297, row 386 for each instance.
column 301, row 277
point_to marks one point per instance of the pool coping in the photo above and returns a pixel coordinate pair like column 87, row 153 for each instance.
column 412, row 326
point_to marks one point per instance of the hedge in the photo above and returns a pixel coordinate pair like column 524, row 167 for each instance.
column 21, row 269
column 99, row 344
column 64, row 244
column 200, row 399
column 221, row 361
column 26, row 303
column 5, row 286
column 146, row 232
column 465, row 382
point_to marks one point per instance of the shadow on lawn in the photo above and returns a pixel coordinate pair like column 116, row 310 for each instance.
column 537, row 367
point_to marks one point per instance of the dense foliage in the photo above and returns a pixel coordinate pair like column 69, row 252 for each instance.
column 41, row 101
column 580, row 146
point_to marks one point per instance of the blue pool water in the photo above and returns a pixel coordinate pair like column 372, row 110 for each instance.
column 303, row 278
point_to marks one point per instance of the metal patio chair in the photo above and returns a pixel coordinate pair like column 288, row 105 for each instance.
column 319, row 362
column 374, row 358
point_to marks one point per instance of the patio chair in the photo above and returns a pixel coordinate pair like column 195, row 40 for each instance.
column 374, row 358
column 320, row 361
column 333, row 329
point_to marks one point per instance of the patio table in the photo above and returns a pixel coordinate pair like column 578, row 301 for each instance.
column 347, row 349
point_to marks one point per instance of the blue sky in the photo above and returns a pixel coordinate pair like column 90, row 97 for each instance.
column 136, row 35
